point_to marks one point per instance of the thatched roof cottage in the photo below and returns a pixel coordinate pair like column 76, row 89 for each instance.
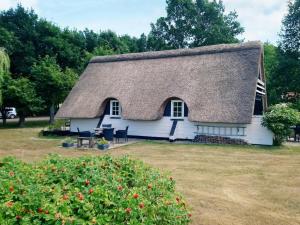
column 212, row 91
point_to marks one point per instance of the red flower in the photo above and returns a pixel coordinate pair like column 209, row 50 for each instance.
column 149, row 186
column 40, row 210
column 11, row 188
column 189, row 215
column 46, row 212
column 65, row 197
column 177, row 199
column 11, row 173
column 120, row 188
column 18, row 217
column 91, row 191
column 87, row 182
column 141, row 205
column 80, row 196
column 128, row 210
column 135, row 195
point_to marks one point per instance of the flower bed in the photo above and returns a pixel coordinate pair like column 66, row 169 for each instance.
column 89, row 190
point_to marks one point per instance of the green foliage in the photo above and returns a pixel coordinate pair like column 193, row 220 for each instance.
column 102, row 141
column 90, row 190
column 279, row 119
column 53, row 84
column 291, row 29
column 4, row 69
column 57, row 125
column 271, row 63
column 69, row 140
column 194, row 23
column 21, row 94
column 296, row 105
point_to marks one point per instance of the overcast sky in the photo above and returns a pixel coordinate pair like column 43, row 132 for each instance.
column 261, row 18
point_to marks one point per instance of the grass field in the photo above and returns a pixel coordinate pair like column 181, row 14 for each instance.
column 225, row 185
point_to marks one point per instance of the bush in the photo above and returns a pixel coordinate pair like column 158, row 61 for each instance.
column 103, row 141
column 68, row 140
column 58, row 124
column 89, row 190
column 279, row 119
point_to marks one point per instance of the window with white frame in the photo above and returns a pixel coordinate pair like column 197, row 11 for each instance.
column 115, row 108
column 177, row 109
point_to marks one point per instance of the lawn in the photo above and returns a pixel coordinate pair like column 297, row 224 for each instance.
column 222, row 184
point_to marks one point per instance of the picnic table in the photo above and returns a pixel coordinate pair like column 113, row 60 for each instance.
column 80, row 140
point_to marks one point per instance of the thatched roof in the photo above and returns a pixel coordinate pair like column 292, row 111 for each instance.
column 217, row 83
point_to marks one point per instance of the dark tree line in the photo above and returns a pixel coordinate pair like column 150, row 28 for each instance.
column 283, row 61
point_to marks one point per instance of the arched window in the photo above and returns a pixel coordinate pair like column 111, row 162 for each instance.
column 177, row 109
column 115, row 108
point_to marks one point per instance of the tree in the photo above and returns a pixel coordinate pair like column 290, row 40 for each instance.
column 194, row 23
column 290, row 33
column 4, row 69
column 53, row 84
column 279, row 119
column 271, row 62
column 21, row 94
column 288, row 72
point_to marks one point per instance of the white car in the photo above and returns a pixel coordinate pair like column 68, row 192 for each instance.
column 11, row 113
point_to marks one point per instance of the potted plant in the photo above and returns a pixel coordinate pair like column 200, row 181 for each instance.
column 103, row 144
column 68, row 142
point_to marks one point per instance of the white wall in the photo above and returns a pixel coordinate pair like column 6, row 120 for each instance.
column 257, row 134
column 254, row 132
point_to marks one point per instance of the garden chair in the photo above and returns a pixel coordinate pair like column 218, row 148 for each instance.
column 108, row 134
column 122, row 134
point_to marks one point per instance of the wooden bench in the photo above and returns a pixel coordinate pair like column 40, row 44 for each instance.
column 81, row 139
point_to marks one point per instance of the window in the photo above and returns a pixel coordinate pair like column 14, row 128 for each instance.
column 115, row 108
column 177, row 109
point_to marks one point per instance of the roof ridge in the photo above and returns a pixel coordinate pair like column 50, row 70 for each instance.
column 212, row 49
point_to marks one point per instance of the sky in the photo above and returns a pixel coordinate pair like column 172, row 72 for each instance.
column 260, row 18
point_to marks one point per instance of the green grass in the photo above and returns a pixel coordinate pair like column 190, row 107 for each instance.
column 224, row 184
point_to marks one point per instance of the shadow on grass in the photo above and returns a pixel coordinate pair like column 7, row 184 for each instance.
column 28, row 124
column 229, row 147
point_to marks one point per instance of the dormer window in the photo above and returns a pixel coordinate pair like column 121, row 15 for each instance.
column 115, row 109
column 177, row 109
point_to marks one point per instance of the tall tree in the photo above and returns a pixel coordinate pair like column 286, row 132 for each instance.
column 192, row 23
column 21, row 93
column 289, row 64
column 290, row 35
column 271, row 58
column 53, row 84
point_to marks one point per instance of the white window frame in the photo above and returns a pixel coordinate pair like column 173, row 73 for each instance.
column 172, row 109
column 111, row 109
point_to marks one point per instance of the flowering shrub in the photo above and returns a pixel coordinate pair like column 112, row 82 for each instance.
column 279, row 119
column 89, row 190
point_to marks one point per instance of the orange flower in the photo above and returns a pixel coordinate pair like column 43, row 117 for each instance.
column 65, row 197
column 135, row 195
column 11, row 189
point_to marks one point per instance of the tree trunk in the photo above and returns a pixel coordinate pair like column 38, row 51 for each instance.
column 3, row 120
column 21, row 120
column 52, row 111
column 3, row 112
